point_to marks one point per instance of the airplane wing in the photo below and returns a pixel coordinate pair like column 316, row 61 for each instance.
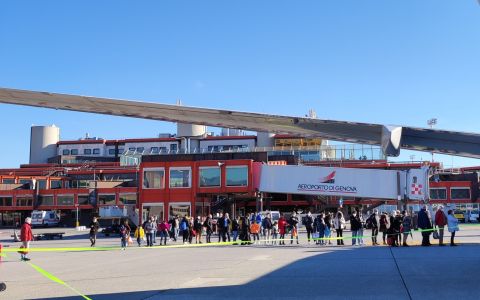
column 391, row 138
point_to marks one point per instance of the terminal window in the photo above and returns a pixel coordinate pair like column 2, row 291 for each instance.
column 24, row 201
column 8, row 181
column 111, row 151
column 96, row 151
column 74, row 152
column 87, row 151
column 128, row 198
column 459, row 193
column 237, row 176
column 65, row 200
column 153, row 178
column 107, row 199
column 45, row 200
column 83, row 199
column 5, row 201
column 66, row 152
column 179, row 177
column 209, row 176
column 55, row 184
column 438, row 194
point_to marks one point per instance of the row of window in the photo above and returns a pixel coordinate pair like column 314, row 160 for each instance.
column 41, row 183
column 154, row 178
column 69, row 200
column 94, row 151
column 154, row 150
column 455, row 193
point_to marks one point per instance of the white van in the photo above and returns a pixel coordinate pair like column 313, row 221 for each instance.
column 45, row 218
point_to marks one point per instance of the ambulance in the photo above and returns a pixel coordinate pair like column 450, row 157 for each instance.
column 46, row 218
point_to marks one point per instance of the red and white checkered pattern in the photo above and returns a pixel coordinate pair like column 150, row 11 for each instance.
column 416, row 189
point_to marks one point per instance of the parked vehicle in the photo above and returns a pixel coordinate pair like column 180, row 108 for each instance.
column 473, row 216
column 459, row 215
column 45, row 218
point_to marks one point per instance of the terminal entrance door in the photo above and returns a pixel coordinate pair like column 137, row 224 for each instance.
column 153, row 209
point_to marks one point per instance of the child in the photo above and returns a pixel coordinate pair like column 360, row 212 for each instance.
column 274, row 232
column 139, row 234
column 255, row 230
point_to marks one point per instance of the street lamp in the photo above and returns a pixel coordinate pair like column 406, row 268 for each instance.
column 432, row 122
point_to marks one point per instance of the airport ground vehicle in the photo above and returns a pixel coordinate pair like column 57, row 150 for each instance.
column 459, row 215
column 46, row 218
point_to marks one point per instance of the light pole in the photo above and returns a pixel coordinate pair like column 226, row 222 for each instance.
column 432, row 122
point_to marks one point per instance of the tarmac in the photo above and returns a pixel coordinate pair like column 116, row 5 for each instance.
column 239, row 272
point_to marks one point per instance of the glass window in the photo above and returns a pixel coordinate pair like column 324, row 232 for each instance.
column 26, row 182
column 83, row 199
column 65, row 200
column 42, row 184
column 96, row 151
column 121, row 150
column 438, row 194
column 55, row 184
column 154, row 150
column 24, row 201
column 74, row 152
column 179, row 177
column 128, row 198
column 237, row 176
column 460, row 193
column 140, row 149
column 111, row 151
column 66, row 152
column 45, row 200
column 8, row 181
column 209, row 176
column 173, row 147
column 87, row 151
column 5, row 201
column 131, row 149
column 153, row 178
column 106, row 199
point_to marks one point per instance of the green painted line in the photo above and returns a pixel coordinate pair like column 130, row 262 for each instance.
column 57, row 280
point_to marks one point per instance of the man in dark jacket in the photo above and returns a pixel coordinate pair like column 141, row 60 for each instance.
column 293, row 222
column 425, row 223
column 208, row 227
column 373, row 222
column 93, row 231
column 308, row 222
column 355, row 226
column 440, row 221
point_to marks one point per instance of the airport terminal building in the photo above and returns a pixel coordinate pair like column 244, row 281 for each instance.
column 192, row 173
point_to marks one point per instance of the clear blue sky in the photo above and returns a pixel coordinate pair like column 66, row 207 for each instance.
column 389, row 62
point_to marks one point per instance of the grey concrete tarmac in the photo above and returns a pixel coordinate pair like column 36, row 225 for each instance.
column 254, row 272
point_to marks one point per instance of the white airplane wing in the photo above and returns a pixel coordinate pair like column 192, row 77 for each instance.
column 391, row 138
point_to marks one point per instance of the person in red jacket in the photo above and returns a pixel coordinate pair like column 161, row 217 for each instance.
column 25, row 237
column 440, row 221
column 282, row 227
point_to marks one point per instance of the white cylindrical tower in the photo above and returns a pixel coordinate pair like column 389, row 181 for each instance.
column 190, row 130
column 265, row 139
column 43, row 143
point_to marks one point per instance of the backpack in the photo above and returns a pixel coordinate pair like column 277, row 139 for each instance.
column 183, row 225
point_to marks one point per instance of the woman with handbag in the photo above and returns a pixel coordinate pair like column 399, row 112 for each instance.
column 452, row 226
column 339, row 223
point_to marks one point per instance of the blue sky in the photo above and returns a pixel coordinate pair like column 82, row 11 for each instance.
column 389, row 62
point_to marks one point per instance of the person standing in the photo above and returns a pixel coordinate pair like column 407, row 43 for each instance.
column 197, row 226
column 226, row 228
column 184, row 229
column 149, row 227
column 293, row 222
column 26, row 236
column 267, row 228
column 155, row 220
column 208, row 227
column 355, row 225
column 373, row 222
column 235, row 228
column 164, row 229
column 339, row 223
column 396, row 221
column 425, row 224
column 319, row 227
column 384, row 226
column 274, row 233
column 452, row 226
column 406, row 227
column 440, row 221
column 308, row 222
column 282, row 228
column 139, row 235
column 255, row 230
column 123, row 236
column 244, row 229
column 93, row 231
column 328, row 228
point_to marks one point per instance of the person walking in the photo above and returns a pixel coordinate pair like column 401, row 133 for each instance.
column 440, row 222
column 282, row 228
column 373, row 222
column 406, row 227
column 355, row 225
column 184, row 229
column 155, row 220
column 339, row 223
column 452, row 226
column 244, row 229
column 123, row 236
column 308, row 222
column 208, row 228
column 26, row 236
column 425, row 224
column 274, row 233
column 293, row 222
column 197, row 226
column 149, row 227
column 94, row 226
column 191, row 230
column 384, row 226
column 139, row 235
column 328, row 228
column 163, row 228
column 226, row 227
